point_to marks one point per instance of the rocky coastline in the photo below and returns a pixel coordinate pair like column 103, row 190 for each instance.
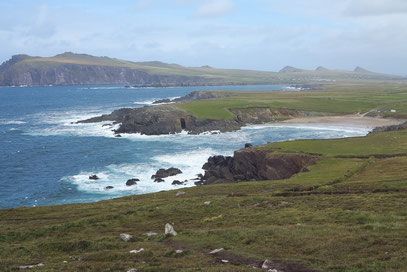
column 254, row 163
column 168, row 119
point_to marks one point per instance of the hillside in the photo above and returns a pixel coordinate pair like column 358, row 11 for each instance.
column 72, row 69
column 347, row 213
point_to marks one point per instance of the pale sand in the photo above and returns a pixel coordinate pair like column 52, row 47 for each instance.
column 344, row 120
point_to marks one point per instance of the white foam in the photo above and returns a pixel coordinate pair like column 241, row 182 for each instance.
column 64, row 123
column 151, row 101
column 322, row 128
column 189, row 162
column 12, row 122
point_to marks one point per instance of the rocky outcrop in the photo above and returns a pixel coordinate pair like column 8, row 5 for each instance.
column 196, row 95
column 402, row 126
column 254, row 164
column 162, row 119
column 132, row 181
column 257, row 115
column 165, row 173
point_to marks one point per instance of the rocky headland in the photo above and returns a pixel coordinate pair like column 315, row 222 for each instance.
column 168, row 119
column 254, row 163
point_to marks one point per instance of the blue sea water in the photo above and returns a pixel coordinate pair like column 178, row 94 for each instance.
column 45, row 159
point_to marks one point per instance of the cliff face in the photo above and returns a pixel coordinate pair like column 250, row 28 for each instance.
column 255, row 115
column 15, row 74
column 168, row 119
column 254, row 164
column 162, row 119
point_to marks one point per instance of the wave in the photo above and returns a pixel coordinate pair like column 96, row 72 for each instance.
column 12, row 122
column 189, row 162
column 151, row 101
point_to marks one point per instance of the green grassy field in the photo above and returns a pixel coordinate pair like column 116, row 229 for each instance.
column 333, row 99
column 345, row 214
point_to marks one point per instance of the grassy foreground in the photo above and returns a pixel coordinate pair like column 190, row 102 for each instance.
column 381, row 99
column 348, row 213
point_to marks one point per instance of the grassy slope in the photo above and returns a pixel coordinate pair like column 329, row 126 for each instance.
column 337, row 99
column 342, row 215
column 221, row 76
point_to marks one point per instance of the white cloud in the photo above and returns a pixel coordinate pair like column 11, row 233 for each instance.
column 213, row 8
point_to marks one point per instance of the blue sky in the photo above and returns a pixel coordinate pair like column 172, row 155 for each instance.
column 251, row 34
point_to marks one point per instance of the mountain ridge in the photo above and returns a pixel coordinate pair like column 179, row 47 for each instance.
column 80, row 69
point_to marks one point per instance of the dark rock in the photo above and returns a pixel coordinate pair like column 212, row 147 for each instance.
column 200, row 182
column 164, row 173
column 389, row 128
column 202, row 95
column 254, row 164
column 248, row 145
column 132, row 181
column 118, row 136
column 109, row 187
column 158, row 180
column 162, row 101
column 177, row 182
column 168, row 119
column 94, row 177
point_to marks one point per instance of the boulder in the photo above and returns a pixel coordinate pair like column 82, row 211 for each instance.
column 177, row 182
column 125, row 237
column 158, row 180
column 94, row 177
column 248, row 145
column 169, row 230
column 216, row 250
column 164, row 173
column 109, row 187
column 132, row 182
column 136, row 251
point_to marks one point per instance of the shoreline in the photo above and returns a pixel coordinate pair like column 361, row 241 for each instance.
column 343, row 120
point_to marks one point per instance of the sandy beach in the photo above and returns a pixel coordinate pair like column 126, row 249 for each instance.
column 345, row 120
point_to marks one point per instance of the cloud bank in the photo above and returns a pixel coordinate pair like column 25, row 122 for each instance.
column 257, row 34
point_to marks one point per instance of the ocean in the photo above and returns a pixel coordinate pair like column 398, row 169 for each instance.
column 45, row 159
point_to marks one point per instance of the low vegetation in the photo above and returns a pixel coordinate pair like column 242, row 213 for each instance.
column 387, row 100
column 348, row 213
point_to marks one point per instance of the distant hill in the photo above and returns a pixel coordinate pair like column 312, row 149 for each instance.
column 290, row 69
column 74, row 69
column 359, row 69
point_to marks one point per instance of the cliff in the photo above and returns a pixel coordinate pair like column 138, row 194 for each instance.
column 25, row 70
column 73, row 69
column 254, row 164
column 169, row 119
column 162, row 119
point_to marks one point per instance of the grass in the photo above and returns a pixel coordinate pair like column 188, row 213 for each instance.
column 345, row 214
column 333, row 99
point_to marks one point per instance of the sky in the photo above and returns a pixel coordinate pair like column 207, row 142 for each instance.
column 243, row 34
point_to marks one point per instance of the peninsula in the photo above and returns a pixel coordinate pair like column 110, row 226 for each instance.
column 81, row 69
